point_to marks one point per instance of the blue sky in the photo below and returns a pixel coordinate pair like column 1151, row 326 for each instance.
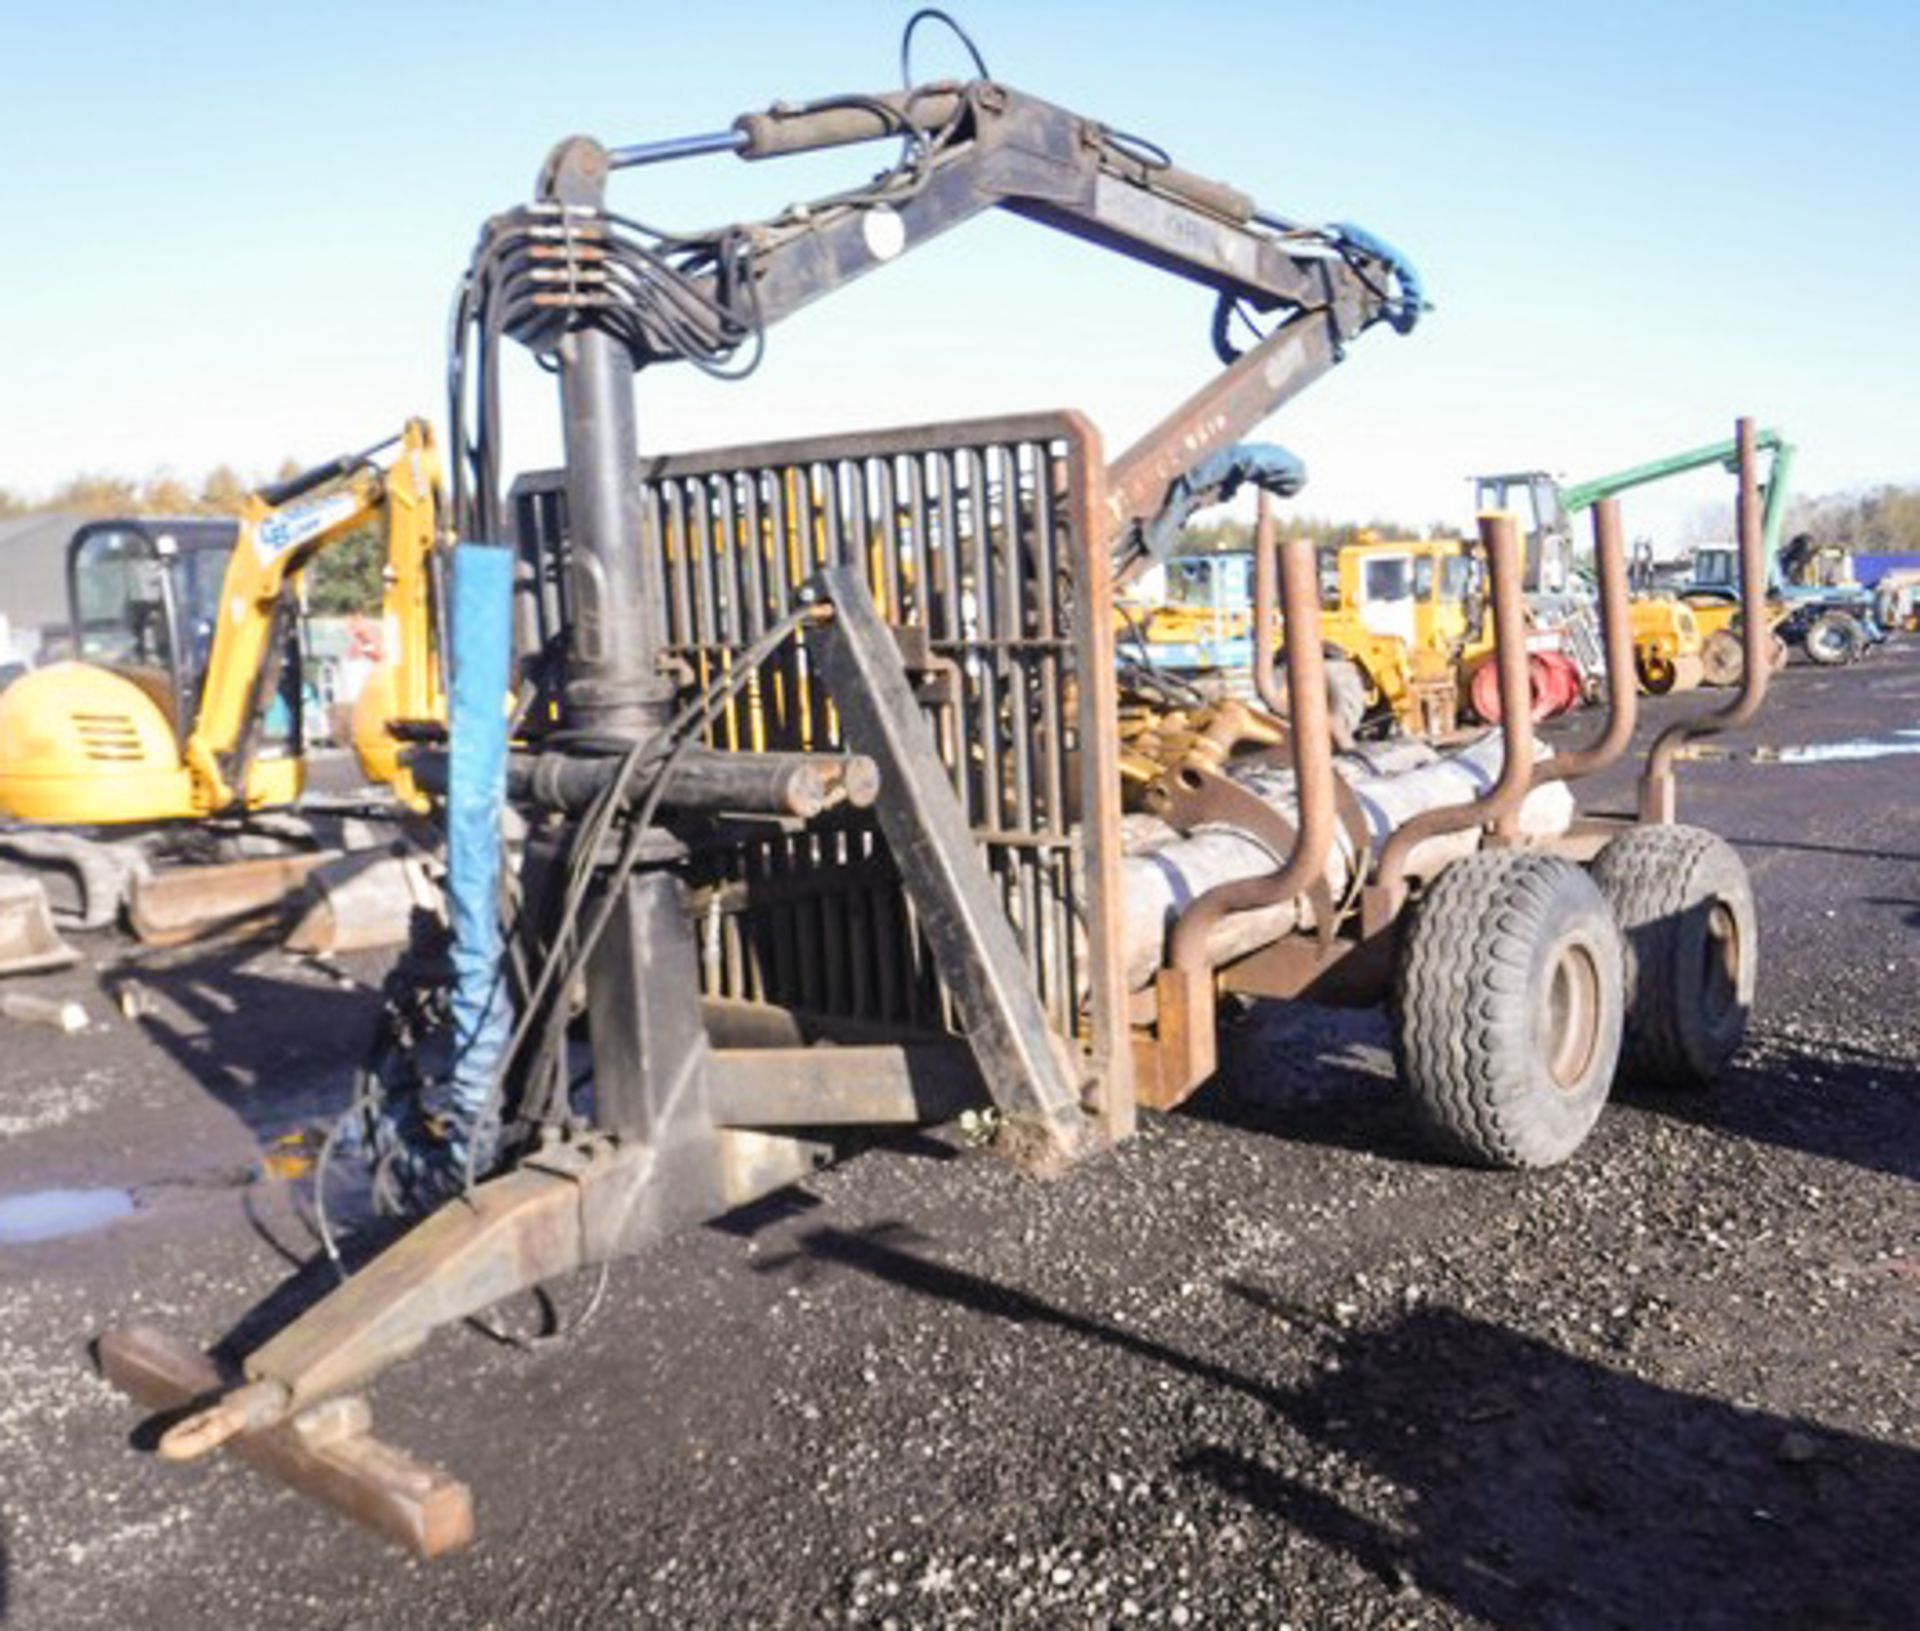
column 233, row 231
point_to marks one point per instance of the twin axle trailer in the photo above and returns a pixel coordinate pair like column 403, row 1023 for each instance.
column 834, row 808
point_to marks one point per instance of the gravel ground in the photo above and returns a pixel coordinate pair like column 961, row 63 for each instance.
column 1267, row 1365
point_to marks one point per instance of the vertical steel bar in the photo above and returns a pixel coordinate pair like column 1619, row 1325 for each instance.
column 1616, row 633
column 1657, row 792
column 615, row 635
column 1500, row 538
column 1312, row 743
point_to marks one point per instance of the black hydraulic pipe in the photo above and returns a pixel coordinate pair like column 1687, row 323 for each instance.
column 781, row 784
column 789, row 784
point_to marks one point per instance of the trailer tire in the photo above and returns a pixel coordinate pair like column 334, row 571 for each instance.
column 1346, row 695
column 1832, row 640
column 1347, row 690
column 1507, row 1007
column 1684, row 903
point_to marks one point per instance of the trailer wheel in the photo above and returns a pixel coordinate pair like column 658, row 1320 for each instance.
column 1507, row 1007
column 1346, row 690
column 1683, row 902
column 1346, row 694
column 1832, row 640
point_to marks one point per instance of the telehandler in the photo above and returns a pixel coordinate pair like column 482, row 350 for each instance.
column 762, row 816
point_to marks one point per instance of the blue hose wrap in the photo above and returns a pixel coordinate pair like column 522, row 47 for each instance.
column 482, row 655
column 1404, row 312
column 1214, row 480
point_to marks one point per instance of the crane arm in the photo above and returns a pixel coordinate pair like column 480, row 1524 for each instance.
column 1773, row 519
column 565, row 262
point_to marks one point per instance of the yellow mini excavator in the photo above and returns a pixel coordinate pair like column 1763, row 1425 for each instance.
column 180, row 703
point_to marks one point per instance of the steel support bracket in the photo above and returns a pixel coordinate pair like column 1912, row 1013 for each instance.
column 1020, row 1058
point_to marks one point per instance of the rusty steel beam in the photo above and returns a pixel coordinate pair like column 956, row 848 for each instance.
column 1219, row 413
column 535, row 1223
column 1312, row 746
column 926, row 830
column 840, row 1086
column 1657, row 793
column 1186, row 1048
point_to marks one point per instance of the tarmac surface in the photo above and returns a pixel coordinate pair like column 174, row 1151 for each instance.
column 1268, row 1365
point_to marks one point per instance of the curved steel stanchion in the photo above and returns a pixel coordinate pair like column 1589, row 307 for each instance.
column 1656, row 781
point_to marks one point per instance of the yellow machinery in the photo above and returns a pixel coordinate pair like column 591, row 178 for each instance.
column 1711, row 595
column 1402, row 623
column 175, row 704
column 1669, row 639
column 1667, row 644
column 1407, row 614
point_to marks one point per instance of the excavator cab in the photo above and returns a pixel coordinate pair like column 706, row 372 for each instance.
column 144, row 599
column 100, row 739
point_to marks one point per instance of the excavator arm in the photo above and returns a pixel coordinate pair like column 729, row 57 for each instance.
column 282, row 529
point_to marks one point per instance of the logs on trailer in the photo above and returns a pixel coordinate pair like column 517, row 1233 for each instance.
column 1165, row 870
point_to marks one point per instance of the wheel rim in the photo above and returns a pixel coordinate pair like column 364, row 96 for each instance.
column 1571, row 1020
column 1719, row 981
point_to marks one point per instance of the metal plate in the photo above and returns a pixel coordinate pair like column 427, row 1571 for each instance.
column 982, row 546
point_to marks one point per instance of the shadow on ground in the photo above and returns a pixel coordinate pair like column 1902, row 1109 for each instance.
column 277, row 1051
column 1311, row 1075
column 1844, row 1103
column 1323, row 1076
column 1532, row 1488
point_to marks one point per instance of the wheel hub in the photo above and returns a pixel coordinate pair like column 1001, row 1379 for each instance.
column 1572, row 1016
column 1719, row 982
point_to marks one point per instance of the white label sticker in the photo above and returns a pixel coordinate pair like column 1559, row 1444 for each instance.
column 290, row 528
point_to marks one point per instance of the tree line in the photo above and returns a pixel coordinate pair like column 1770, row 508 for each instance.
column 345, row 579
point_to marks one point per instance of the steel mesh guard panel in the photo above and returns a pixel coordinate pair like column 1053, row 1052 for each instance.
column 982, row 545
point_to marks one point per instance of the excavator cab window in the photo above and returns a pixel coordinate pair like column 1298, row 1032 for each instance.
column 122, row 600
column 145, row 600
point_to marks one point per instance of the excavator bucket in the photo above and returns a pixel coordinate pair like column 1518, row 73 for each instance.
column 363, row 901
column 235, row 897
column 29, row 943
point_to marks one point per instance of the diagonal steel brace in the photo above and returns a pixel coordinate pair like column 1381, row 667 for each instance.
column 1020, row 1058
